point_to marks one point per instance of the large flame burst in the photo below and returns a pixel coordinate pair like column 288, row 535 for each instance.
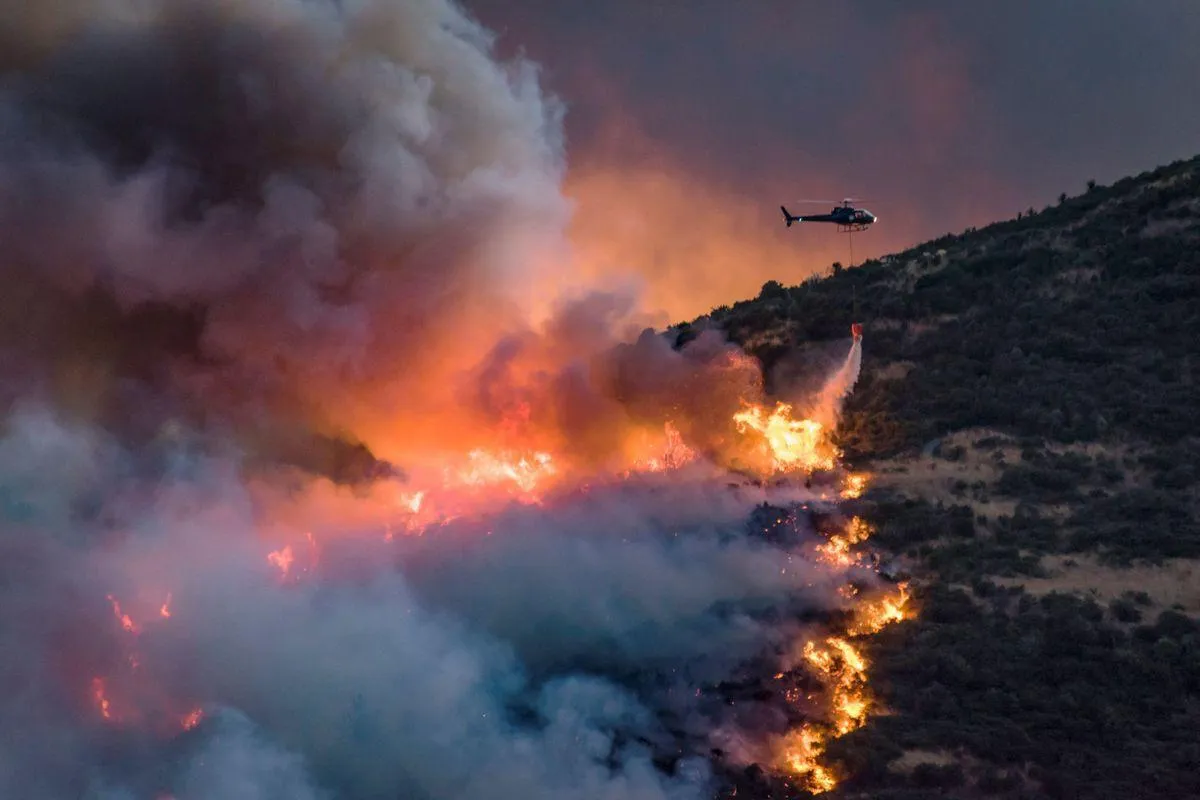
column 792, row 444
column 481, row 478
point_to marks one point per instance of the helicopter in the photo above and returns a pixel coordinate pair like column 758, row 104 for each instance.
column 847, row 218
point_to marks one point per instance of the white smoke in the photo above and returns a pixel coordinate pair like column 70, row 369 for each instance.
column 828, row 403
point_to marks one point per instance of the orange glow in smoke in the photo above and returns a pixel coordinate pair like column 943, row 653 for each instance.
column 477, row 478
column 691, row 241
column 125, row 620
column 289, row 564
column 192, row 719
column 671, row 453
column 412, row 501
column 282, row 559
column 101, row 697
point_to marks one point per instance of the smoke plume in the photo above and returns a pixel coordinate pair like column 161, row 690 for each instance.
column 255, row 214
column 259, row 251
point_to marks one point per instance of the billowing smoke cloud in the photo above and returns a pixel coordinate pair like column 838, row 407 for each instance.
column 304, row 227
column 257, row 235
column 264, row 211
column 560, row 651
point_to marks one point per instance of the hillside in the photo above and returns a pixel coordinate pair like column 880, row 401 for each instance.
column 1028, row 407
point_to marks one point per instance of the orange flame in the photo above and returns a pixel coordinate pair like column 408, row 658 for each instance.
column 804, row 748
column 671, row 453
column 282, row 559
column 793, row 444
column 125, row 620
column 874, row 616
column 838, row 550
column 854, row 485
column 526, row 472
column 192, row 719
column 843, row 669
column 101, row 698
column 838, row 663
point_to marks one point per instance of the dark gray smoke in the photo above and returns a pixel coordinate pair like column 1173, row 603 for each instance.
column 250, row 215
column 246, row 236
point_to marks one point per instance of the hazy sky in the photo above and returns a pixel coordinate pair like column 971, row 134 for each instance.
column 689, row 123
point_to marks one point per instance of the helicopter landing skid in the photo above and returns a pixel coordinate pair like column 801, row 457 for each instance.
column 851, row 228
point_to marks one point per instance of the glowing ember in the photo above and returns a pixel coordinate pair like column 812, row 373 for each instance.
column 314, row 551
column 165, row 610
column 282, row 559
column 192, row 719
column 838, row 550
column 123, row 618
column 101, row 698
column 794, row 444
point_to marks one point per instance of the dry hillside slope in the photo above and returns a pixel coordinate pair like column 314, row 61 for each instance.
column 1027, row 403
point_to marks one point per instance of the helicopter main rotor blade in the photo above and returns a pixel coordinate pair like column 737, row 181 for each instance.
column 843, row 201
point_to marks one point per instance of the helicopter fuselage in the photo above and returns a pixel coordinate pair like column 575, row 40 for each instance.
column 842, row 216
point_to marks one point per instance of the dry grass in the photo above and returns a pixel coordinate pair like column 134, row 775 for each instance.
column 933, row 479
column 1175, row 583
column 929, row 324
column 912, row 759
column 1078, row 275
column 895, row 371
column 1166, row 227
column 779, row 335
column 974, row 768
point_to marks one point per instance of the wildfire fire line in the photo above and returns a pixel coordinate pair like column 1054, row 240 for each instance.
column 324, row 472
column 484, row 480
